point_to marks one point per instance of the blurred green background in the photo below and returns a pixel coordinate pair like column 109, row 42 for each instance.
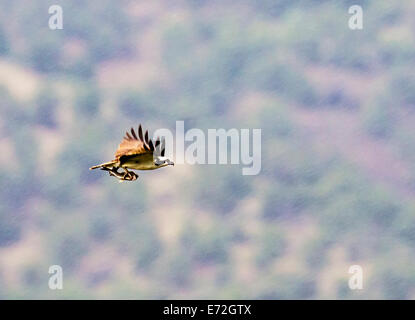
column 337, row 112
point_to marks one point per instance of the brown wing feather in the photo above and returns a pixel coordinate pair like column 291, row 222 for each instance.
column 151, row 145
column 133, row 145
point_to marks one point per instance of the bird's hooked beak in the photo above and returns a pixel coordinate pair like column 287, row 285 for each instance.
column 171, row 163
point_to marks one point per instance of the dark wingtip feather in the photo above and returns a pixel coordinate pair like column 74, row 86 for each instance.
column 157, row 142
column 140, row 133
column 163, row 148
column 133, row 133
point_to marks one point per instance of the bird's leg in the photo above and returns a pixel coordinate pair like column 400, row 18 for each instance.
column 129, row 175
column 133, row 176
column 126, row 174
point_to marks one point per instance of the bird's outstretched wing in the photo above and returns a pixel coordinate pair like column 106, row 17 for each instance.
column 133, row 144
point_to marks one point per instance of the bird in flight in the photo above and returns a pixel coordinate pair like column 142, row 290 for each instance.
column 136, row 152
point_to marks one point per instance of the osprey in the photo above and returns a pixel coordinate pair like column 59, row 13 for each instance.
column 138, row 153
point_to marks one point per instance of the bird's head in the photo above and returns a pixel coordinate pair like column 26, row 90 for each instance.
column 163, row 162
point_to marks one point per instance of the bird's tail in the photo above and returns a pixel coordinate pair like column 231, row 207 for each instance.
column 104, row 165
